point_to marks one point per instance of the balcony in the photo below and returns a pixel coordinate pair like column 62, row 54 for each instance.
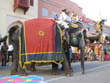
column 24, row 4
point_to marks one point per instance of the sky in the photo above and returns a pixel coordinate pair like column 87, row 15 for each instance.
column 95, row 9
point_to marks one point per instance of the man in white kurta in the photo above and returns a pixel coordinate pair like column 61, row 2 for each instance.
column 64, row 19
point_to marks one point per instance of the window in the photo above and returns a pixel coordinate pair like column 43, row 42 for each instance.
column 54, row 14
column 44, row 12
column 31, row 2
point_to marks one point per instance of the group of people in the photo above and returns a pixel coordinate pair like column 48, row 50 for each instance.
column 66, row 18
column 97, row 51
column 6, row 53
column 74, row 54
column 93, row 52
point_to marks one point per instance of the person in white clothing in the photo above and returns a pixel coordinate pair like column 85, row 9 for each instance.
column 64, row 18
column 10, row 51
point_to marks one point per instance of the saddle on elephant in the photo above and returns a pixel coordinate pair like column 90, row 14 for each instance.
column 40, row 41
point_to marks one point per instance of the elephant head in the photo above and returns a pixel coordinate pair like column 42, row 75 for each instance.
column 76, row 37
column 14, row 30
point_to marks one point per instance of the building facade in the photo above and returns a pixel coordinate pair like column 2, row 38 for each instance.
column 49, row 8
column 13, row 10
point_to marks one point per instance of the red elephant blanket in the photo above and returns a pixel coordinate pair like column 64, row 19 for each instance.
column 40, row 41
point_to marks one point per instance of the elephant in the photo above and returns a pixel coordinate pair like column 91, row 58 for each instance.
column 76, row 37
column 14, row 33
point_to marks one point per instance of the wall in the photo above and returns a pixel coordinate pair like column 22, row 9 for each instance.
column 57, row 5
column 7, row 15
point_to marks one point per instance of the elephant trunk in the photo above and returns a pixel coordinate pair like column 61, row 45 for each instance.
column 93, row 36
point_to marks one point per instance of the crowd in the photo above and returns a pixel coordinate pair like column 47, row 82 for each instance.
column 95, row 51
column 66, row 18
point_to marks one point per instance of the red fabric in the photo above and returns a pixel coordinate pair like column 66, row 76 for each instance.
column 45, row 42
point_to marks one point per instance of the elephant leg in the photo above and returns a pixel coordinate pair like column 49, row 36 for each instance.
column 67, row 71
column 55, row 69
column 2, row 60
column 21, row 71
column 5, row 59
column 68, row 59
column 82, row 60
column 82, row 53
column 33, row 66
column 28, row 67
column 14, row 67
column 69, row 62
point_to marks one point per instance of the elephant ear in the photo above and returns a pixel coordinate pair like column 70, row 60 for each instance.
column 80, row 25
column 74, row 26
column 77, row 27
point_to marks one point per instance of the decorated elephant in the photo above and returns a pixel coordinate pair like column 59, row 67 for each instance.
column 76, row 36
column 71, row 37
column 15, row 31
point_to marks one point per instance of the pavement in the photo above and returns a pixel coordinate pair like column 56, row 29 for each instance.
column 95, row 72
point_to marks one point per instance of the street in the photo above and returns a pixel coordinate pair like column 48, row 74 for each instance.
column 95, row 72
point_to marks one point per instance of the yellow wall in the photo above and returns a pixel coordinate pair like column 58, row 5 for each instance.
column 7, row 15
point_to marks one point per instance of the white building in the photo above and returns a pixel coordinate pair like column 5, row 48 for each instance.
column 14, row 10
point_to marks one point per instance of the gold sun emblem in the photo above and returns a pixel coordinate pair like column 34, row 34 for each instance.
column 41, row 33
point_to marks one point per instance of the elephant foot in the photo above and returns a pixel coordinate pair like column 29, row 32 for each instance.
column 68, row 74
column 24, row 73
column 18, row 73
column 14, row 73
column 83, row 72
column 33, row 69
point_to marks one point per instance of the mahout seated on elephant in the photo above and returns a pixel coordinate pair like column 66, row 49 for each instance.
column 73, row 37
